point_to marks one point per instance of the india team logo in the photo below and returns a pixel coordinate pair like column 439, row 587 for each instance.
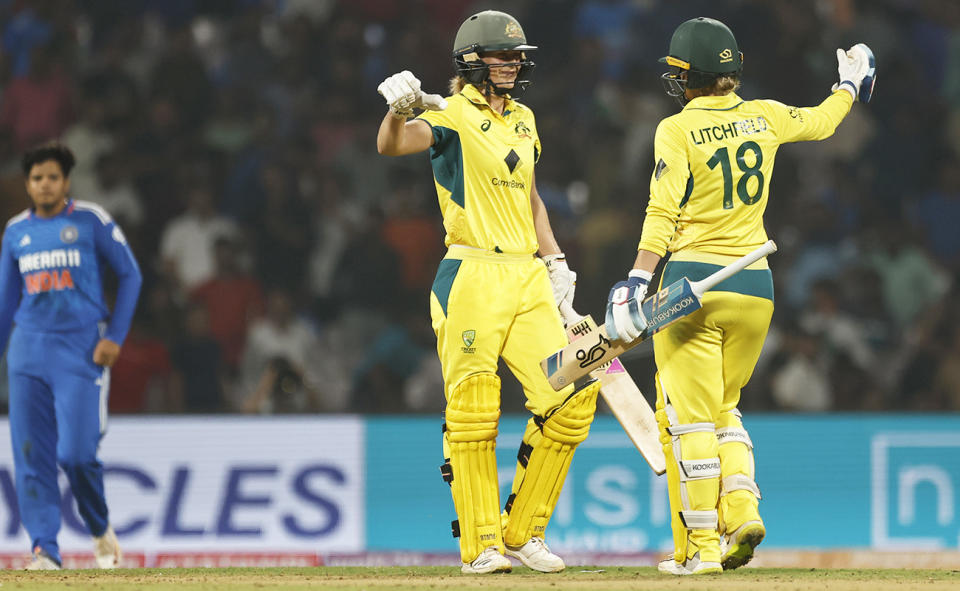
column 68, row 234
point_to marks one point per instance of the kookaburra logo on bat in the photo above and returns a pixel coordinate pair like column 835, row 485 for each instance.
column 588, row 357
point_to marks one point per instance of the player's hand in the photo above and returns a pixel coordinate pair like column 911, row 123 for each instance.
column 625, row 319
column 403, row 95
column 562, row 279
column 106, row 353
column 858, row 72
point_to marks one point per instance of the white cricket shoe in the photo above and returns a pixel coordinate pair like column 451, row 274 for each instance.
column 738, row 547
column 692, row 566
column 42, row 561
column 537, row 555
column 106, row 549
column 488, row 561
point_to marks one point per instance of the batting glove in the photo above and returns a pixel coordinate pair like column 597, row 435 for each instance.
column 403, row 95
column 562, row 279
column 625, row 319
column 858, row 72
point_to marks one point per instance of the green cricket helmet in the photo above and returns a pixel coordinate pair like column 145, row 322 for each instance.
column 704, row 49
column 489, row 31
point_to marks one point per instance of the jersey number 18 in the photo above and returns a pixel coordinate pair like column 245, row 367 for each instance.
column 722, row 157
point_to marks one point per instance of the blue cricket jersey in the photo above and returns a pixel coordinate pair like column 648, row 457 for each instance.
column 51, row 272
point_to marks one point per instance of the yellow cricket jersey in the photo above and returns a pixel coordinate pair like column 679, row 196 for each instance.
column 714, row 162
column 483, row 169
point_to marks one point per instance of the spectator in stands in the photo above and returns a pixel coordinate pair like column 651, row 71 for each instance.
column 232, row 298
column 187, row 244
column 198, row 361
column 276, row 363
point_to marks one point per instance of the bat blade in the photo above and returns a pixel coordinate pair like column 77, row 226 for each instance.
column 626, row 402
column 634, row 413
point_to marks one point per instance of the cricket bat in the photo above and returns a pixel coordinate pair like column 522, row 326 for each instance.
column 680, row 298
column 622, row 395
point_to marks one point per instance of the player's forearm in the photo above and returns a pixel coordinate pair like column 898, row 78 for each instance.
column 391, row 135
column 659, row 226
column 546, row 241
column 128, row 291
column 646, row 261
column 827, row 116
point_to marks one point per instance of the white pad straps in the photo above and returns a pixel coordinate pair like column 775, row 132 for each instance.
column 739, row 482
column 733, row 435
column 699, row 519
column 675, row 429
column 699, row 469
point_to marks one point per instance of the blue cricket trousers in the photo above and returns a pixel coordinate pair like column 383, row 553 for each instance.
column 58, row 414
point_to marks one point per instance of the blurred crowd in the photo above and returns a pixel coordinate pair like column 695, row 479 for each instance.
column 288, row 265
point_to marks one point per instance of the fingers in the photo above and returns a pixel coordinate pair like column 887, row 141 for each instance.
column 621, row 320
column 401, row 90
column 624, row 319
column 841, row 58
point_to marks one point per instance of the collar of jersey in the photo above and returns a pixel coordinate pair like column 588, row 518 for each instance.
column 67, row 210
column 714, row 103
column 472, row 94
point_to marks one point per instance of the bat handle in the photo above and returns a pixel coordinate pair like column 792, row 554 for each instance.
column 699, row 287
column 568, row 314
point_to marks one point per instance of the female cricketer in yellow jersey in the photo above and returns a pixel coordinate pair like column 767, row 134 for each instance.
column 492, row 296
column 708, row 192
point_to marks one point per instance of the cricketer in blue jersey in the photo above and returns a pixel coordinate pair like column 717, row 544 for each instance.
column 61, row 348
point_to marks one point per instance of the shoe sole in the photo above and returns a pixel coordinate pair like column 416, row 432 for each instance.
column 679, row 570
column 742, row 552
column 501, row 569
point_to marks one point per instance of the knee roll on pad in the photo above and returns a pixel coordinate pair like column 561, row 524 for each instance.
column 470, row 467
column 551, row 450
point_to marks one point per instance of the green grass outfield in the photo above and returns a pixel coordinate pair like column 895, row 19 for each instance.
column 436, row 577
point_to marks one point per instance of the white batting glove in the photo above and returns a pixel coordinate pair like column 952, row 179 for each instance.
column 857, row 69
column 625, row 320
column 402, row 93
column 562, row 279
